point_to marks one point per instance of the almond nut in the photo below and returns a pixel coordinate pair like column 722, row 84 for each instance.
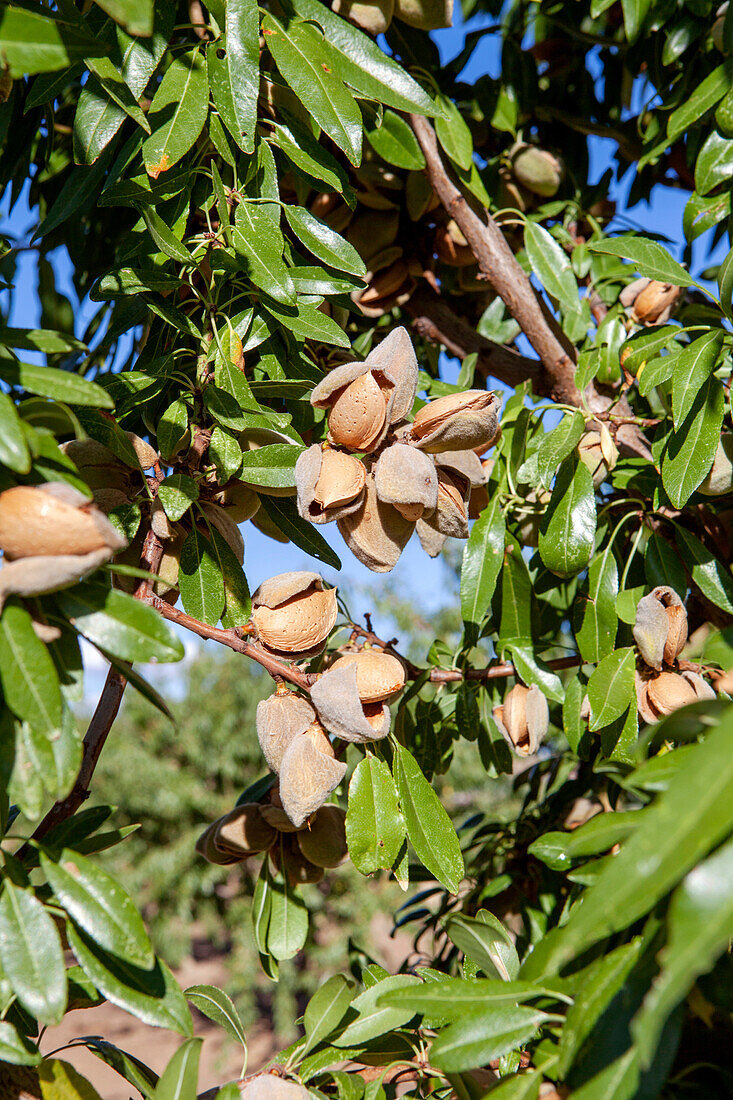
column 376, row 533
column 330, row 483
column 357, row 415
column 243, row 831
column 293, row 613
column 458, row 421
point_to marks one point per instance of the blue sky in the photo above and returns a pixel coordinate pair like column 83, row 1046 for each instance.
column 415, row 576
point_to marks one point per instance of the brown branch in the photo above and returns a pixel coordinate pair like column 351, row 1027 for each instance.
column 103, row 718
column 278, row 669
column 497, row 261
column 435, row 321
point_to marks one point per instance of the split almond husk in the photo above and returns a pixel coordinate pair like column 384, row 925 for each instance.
column 599, row 453
column 406, row 478
column 379, row 675
column 293, row 613
column 51, row 520
column 358, row 414
column 649, row 301
column 376, row 533
column 660, row 627
column 661, row 694
column 227, row 528
column 523, row 719
column 147, row 456
column 308, row 775
column 458, row 421
column 243, row 831
column 335, row 695
column 330, row 484
column 280, row 718
column 323, row 841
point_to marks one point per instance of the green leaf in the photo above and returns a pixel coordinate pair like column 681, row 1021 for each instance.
column 516, row 598
column 710, row 575
column 602, row 832
column 453, row 134
column 179, row 1079
column 136, row 16
column 39, row 41
column 31, row 955
column 200, row 579
column 324, row 242
column 172, row 427
column 260, row 243
column 97, row 903
column 363, row 65
column 325, row 1010
column 219, row 1007
column 648, row 257
column 309, row 323
column 713, row 165
column 234, row 71
column 725, row 284
column 395, row 142
column 61, row 385
column 151, row 995
column 301, row 56
column 375, row 828
column 611, row 687
column 120, row 624
column 164, row 237
column 691, row 449
column 681, row 827
column 288, row 925
column 177, row 493
column 14, row 451
column 486, row 942
column 551, row 264
column 226, row 454
column 449, row 998
column 283, row 513
column 177, row 113
column 643, row 346
column 597, row 634
column 302, row 149
column 271, row 466
column 692, row 368
column 15, row 1048
column 429, row 828
column 29, row 679
column 481, row 1036
column 699, row 925
column 662, row 565
column 568, row 528
column 237, row 602
column 558, row 445
column 482, row 561
column 372, row 1019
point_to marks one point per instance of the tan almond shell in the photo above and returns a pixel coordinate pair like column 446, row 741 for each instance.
column 300, row 623
column 280, row 718
column 276, row 590
column 205, row 847
column 450, row 517
column 431, row 539
column 376, row 533
column 308, row 470
column 340, row 479
column 37, row 576
column 655, row 302
column 676, row 633
column 358, row 415
column 379, row 675
column 269, row 1087
column 287, row 856
column 340, row 710
column 323, row 842
column 226, row 527
column 458, row 422
column 41, row 522
column 646, row 713
column 523, row 719
column 324, row 393
column 243, row 831
column 307, row 778
column 403, row 475
column 668, row 691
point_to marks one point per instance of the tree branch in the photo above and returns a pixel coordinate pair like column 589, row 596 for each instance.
column 435, row 321
column 497, row 261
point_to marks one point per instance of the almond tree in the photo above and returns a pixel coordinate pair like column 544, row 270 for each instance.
column 277, row 221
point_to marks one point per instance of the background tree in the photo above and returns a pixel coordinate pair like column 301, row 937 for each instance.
column 276, row 222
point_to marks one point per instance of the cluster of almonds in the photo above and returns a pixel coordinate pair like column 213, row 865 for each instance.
column 51, row 536
column 302, row 854
column 523, row 719
column 660, row 632
column 381, row 477
column 650, row 302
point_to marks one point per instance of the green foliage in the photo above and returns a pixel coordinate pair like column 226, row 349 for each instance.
column 249, row 198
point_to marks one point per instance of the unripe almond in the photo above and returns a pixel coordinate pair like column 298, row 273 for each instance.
column 537, row 170
column 239, row 501
column 147, row 456
column 323, row 841
column 205, row 847
column 226, row 527
column 161, row 525
column 87, row 452
column 373, row 16
column 243, row 831
column 379, row 675
column 52, row 520
column 376, row 533
column 357, row 415
column 293, row 613
column 458, row 421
